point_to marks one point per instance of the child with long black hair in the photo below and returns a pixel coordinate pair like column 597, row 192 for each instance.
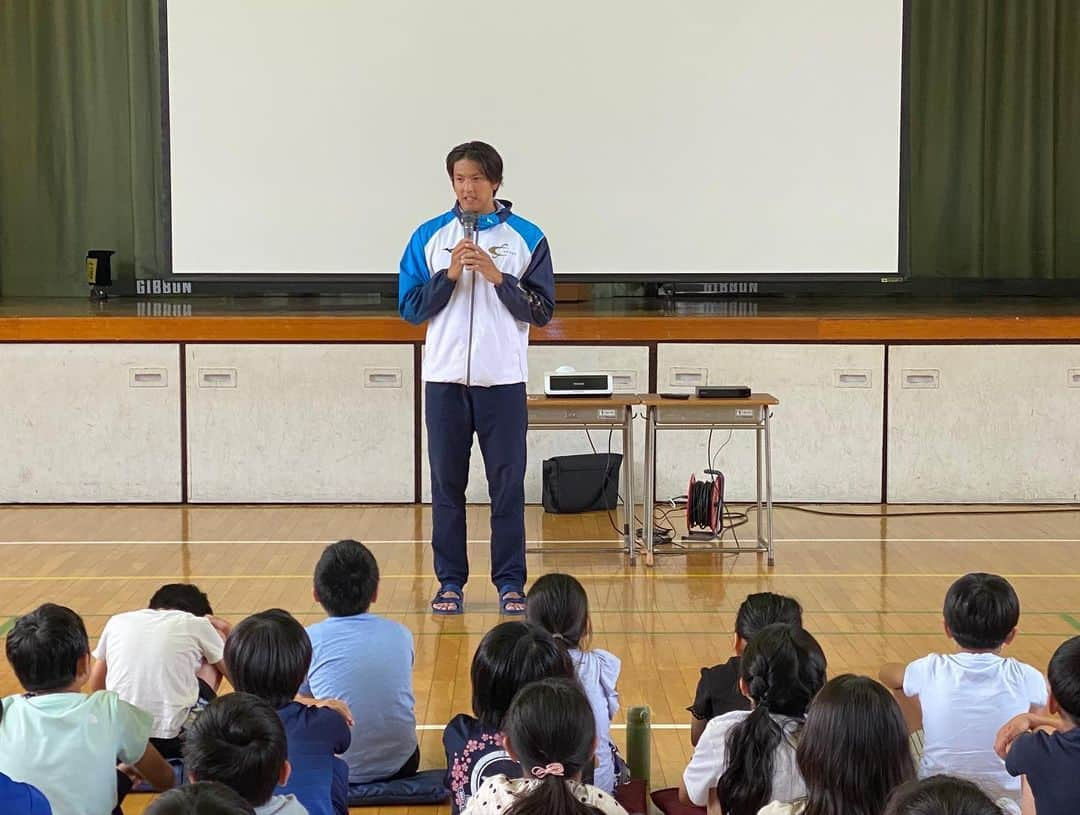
column 853, row 751
column 745, row 759
column 510, row 656
column 549, row 731
column 558, row 604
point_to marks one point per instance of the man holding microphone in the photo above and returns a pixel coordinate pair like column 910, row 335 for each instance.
column 480, row 275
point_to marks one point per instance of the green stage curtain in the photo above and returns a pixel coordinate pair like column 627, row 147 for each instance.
column 80, row 142
column 995, row 139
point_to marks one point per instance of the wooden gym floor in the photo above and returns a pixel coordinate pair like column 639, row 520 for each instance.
column 871, row 587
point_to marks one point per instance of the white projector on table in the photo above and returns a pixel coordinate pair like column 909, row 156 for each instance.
column 568, row 382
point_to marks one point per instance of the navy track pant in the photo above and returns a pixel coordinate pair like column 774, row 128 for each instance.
column 499, row 417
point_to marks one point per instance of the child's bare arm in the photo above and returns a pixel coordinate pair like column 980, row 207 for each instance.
column 1018, row 725
column 697, row 727
column 155, row 769
column 97, row 676
column 334, row 704
column 892, row 675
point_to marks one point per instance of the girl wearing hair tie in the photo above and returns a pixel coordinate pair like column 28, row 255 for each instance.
column 549, row 731
column 745, row 759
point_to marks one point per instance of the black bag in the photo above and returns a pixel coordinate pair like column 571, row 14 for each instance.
column 581, row 483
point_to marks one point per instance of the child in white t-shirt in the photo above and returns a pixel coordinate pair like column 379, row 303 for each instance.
column 745, row 759
column 155, row 658
column 962, row 699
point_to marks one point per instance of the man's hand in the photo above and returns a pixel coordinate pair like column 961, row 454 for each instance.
column 457, row 255
column 481, row 263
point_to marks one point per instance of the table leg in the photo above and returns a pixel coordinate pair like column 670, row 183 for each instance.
column 628, row 489
column 650, row 483
column 759, row 474
column 768, row 486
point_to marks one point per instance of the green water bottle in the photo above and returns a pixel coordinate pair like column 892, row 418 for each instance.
column 639, row 742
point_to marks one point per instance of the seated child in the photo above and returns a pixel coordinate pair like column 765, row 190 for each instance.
column 239, row 741
column 152, row 657
column 558, row 604
column 21, row 799
column 940, row 795
column 718, row 689
column 268, row 655
column 853, row 751
column 61, row 740
column 549, row 733
column 1050, row 761
column 511, row 655
column 745, row 759
column 965, row 697
column 203, row 798
column 365, row 661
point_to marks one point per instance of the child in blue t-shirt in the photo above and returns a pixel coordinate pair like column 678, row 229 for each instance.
column 365, row 661
column 268, row 655
column 1049, row 760
column 510, row 656
column 21, row 799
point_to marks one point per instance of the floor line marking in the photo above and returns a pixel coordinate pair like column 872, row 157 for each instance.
column 485, row 541
column 1071, row 620
column 628, row 575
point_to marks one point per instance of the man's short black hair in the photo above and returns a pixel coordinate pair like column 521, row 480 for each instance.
column 483, row 154
column 44, row 648
column 240, row 741
column 346, row 577
column 182, row 597
column 981, row 610
column 268, row 654
column 1064, row 676
column 202, row 798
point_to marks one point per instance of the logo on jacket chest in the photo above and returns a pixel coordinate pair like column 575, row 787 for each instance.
column 501, row 250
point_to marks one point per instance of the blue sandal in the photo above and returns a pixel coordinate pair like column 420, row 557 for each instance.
column 448, row 595
column 511, row 596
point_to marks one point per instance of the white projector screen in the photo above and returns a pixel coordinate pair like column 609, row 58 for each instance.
column 688, row 138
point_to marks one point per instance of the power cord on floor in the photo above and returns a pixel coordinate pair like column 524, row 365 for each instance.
column 1052, row 509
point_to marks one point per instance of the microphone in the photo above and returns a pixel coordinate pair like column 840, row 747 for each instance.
column 468, row 222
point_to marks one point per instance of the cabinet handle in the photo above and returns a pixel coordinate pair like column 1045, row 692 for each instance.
column 624, row 381
column 1074, row 377
column 217, row 377
column 921, row 378
column 382, row 377
column 852, row 379
column 687, row 377
column 148, row 378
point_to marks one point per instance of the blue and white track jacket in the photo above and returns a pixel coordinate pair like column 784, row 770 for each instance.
column 477, row 333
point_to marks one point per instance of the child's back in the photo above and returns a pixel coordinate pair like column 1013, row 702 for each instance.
column 365, row 661
column 965, row 699
column 559, row 604
column 151, row 657
column 598, row 671
column 967, row 696
column 268, row 655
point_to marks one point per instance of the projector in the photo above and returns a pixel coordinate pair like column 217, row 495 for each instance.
column 577, row 384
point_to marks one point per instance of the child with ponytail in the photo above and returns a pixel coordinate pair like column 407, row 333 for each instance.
column 558, row 604
column 549, row 731
column 745, row 759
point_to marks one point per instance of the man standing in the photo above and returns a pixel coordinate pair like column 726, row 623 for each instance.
column 480, row 275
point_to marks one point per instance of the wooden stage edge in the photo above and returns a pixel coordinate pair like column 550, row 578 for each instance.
column 579, row 329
